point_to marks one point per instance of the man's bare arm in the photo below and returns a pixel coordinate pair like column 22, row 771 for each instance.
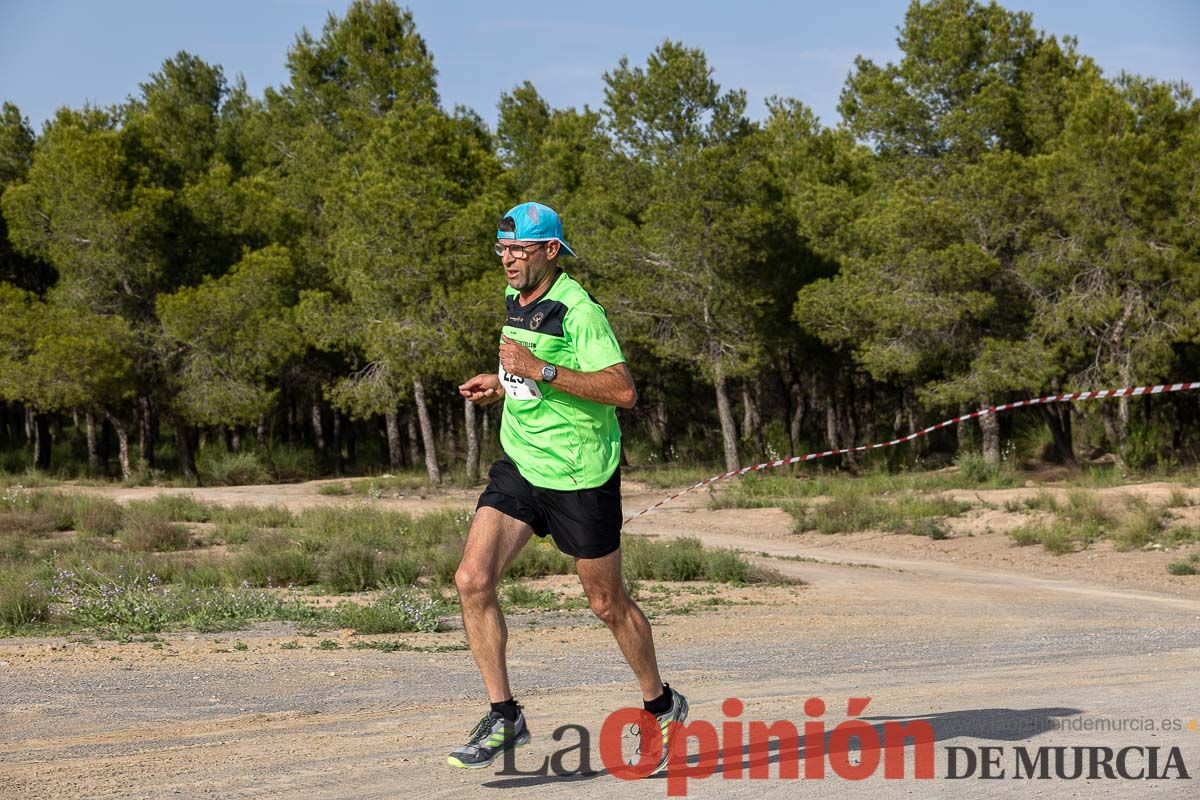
column 611, row 386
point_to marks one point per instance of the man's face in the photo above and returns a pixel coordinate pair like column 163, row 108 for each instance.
column 525, row 272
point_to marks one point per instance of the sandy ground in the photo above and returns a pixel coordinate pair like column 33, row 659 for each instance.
column 994, row 645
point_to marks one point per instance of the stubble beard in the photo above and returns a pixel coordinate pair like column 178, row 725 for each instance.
column 529, row 278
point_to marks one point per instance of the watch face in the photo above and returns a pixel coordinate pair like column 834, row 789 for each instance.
column 549, row 372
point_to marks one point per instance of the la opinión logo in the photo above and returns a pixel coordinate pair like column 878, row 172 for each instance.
column 853, row 750
column 726, row 748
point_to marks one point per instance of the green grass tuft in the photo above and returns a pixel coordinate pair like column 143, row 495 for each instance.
column 271, row 559
column 24, row 600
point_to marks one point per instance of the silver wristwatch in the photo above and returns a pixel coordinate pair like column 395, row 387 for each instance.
column 549, row 373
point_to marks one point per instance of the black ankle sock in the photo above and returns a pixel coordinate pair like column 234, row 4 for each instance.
column 508, row 709
column 661, row 704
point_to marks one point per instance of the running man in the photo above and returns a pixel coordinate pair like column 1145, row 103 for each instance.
column 561, row 375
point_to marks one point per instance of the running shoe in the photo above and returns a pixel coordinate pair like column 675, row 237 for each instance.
column 677, row 713
column 491, row 738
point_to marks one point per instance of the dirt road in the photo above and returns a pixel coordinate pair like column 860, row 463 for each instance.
column 991, row 652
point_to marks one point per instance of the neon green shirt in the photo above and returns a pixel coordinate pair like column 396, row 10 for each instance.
column 558, row 440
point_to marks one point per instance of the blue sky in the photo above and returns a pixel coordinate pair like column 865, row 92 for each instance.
column 67, row 52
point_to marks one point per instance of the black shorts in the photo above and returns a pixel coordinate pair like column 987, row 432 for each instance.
column 584, row 523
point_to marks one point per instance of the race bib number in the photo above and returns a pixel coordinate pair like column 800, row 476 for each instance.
column 518, row 388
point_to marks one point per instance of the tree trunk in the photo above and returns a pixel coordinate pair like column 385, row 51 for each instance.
column 1059, row 430
column 183, row 446
column 747, row 414
column 145, row 423
column 831, row 423
column 291, row 420
column 472, row 441
column 414, row 444
column 1110, row 431
column 725, row 414
column 395, row 454
column 849, row 425
column 28, row 424
column 122, row 445
column 451, row 437
column 317, row 427
column 351, row 442
column 485, row 428
column 867, row 417
column 41, row 441
column 989, row 426
column 798, row 412
column 431, row 462
column 752, row 432
column 336, row 442
column 89, row 420
column 796, row 423
column 962, row 434
column 141, row 421
column 262, row 440
column 1121, row 424
column 662, row 424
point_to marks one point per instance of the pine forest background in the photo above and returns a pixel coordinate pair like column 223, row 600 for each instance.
column 206, row 285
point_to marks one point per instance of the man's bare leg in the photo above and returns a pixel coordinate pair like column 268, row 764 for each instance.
column 492, row 543
column 601, row 578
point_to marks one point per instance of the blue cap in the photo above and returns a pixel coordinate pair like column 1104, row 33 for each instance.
column 535, row 223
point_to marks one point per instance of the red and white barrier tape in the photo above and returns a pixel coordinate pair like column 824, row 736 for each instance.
column 1054, row 398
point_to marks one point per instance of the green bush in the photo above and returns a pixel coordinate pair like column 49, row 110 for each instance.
column 140, row 602
column 1042, row 501
column 538, row 559
column 174, row 508
column 1026, row 535
column 381, row 530
column 255, row 516
column 232, row 469
column 398, row 571
column 350, row 567
column 236, row 533
column 395, row 611
column 683, row 559
column 1140, row 526
column 14, row 462
column 273, row 560
column 974, row 468
column 23, row 600
column 206, row 573
column 1057, row 536
column 30, row 522
column 521, row 596
column 932, row 528
column 1058, row 539
column 1084, row 508
column 144, row 530
column 1182, row 568
column 98, row 516
column 846, row 513
column 1147, row 446
column 14, row 548
column 293, row 463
